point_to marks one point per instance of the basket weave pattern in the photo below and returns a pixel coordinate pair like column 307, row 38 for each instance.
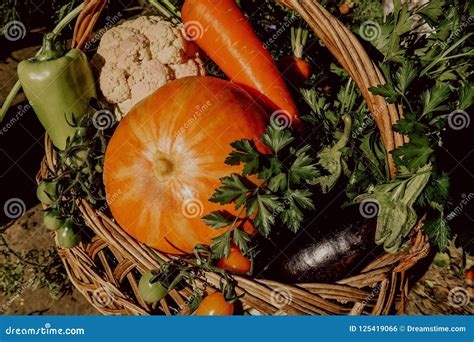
column 106, row 270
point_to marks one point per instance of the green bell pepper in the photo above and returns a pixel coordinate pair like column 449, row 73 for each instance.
column 59, row 88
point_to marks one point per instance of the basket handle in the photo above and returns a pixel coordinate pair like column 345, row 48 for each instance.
column 348, row 51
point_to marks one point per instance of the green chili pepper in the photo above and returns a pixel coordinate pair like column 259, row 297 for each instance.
column 59, row 88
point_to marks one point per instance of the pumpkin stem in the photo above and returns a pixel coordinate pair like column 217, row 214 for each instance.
column 162, row 166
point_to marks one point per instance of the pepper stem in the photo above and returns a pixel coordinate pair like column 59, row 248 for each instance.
column 49, row 51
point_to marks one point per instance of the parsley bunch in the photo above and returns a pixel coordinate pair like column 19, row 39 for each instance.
column 273, row 188
column 427, row 62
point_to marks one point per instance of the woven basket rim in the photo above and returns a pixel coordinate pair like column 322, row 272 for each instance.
column 94, row 276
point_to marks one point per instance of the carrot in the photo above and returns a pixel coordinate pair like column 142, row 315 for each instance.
column 294, row 68
column 221, row 30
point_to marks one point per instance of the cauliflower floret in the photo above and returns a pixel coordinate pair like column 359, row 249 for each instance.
column 126, row 47
column 190, row 68
column 167, row 43
column 138, row 56
column 115, row 81
column 147, row 79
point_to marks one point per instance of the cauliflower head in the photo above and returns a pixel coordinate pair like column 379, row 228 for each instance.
column 138, row 56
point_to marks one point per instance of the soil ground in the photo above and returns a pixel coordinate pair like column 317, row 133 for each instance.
column 23, row 235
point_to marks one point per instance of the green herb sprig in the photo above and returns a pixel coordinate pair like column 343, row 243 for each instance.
column 427, row 62
column 278, row 194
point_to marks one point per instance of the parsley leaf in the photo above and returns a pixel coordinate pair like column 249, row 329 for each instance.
column 386, row 90
column 405, row 75
column 279, row 182
column 267, row 205
column 232, row 190
column 433, row 98
column 220, row 245
column 438, row 231
column 331, row 159
column 301, row 198
column 277, row 138
column 271, row 200
column 303, row 168
column 244, row 152
column 435, row 193
column 217, row 220
column 410, row 125
column 431, row 11
column 241, row 239
column 396, row 215
column 466, row 96
column 413, row 154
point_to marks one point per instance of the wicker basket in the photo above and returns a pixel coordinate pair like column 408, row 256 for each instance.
column 106, row 269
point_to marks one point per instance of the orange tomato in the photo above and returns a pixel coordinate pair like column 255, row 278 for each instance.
column 344, row 9
column 247, row 226
column 166, row 156
column 235, row 262
column 469, row 276
column 214, row 305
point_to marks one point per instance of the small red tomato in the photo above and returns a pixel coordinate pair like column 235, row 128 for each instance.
column 344, row 9
column 469, row 276
column 215, row 305
column 235, row 262
column 247, row 226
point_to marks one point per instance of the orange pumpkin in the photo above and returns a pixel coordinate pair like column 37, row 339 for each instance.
column 166, row 156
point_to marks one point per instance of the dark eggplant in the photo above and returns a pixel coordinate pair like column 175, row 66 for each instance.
column 334, row 247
